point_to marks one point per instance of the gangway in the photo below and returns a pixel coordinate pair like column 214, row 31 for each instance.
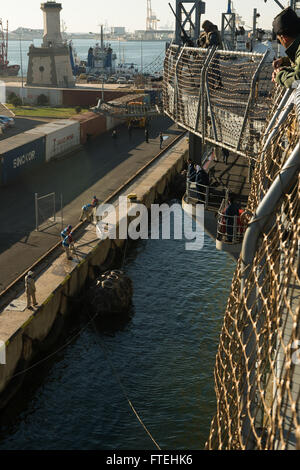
column 127, row 111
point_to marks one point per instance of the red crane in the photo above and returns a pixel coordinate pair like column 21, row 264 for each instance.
column 5, row 69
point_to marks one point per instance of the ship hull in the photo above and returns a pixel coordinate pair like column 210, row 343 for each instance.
column 9, row 71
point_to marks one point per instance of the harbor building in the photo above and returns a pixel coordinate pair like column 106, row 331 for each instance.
column 50, row 65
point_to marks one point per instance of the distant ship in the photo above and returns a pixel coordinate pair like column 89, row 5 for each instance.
column 101, row 58
column 6, row 70
column 78, row 66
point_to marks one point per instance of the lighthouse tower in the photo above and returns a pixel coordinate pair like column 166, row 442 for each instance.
column 50, row 65
column 52, row 35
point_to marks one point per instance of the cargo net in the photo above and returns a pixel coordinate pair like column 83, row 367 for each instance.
column 257, row 371
column 223, row 96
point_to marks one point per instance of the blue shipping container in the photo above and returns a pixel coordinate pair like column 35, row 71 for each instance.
column 19, row 155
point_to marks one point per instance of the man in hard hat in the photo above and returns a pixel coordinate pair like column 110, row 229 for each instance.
column 161, row 140
column 66, row 231
column 286, row 26
column 95, row 202
column 30, row 290
column 68, row 244
column 86, row 212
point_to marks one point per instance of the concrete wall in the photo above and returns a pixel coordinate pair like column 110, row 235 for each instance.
column 80, row 97
column 30, row 94
column 50, row 67
column 62, row 96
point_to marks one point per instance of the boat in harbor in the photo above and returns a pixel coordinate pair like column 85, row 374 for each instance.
column 6, row 70
column 101, row 58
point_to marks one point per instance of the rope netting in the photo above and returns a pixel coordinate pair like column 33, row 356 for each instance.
column 222, row 96
column 257, row 371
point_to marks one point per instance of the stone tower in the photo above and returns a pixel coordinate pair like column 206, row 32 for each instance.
column 50, row 65
column 52, row 35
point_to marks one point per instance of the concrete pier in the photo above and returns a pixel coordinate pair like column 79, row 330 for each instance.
column 23, row 330
column 98, row 168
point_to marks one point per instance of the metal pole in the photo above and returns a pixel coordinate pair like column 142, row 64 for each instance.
column 54, row 208
column 279, row 4
column 251, row 98
column 254, row 26
column 284, row 110
column 36, row 212
column 61, row 211
column 209, row 100
column 21, row 60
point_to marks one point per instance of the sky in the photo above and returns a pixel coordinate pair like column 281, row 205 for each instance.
column 85, row 16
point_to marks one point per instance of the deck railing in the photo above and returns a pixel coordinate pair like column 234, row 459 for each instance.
column 230, row 228
column 202, row 194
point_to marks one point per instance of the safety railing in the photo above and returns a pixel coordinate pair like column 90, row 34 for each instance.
column 221, row 96
column 231, row 228
column 127, row 111
column 202, row 194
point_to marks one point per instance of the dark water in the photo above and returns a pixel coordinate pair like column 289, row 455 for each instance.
column 163, row 356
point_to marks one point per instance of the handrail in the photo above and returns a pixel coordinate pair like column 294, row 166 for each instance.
column 251, row 98
column 230, row 228
column 221, row 51
column 203, row 194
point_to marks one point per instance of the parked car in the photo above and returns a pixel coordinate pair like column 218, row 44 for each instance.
column 7, row 121
column 112, row 80
column 82, row 76
column 92, row 78
column 121, row 80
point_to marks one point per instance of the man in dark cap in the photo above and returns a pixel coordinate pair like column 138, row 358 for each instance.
column 210, row 37
column 286, row 26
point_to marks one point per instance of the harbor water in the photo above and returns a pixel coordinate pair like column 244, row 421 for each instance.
column 138, row 52
column 161, row 358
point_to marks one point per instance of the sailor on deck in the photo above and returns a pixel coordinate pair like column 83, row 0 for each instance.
column 286, row 26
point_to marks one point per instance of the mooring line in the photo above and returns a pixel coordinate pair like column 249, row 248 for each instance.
column 117, row 376
column 69, row 341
